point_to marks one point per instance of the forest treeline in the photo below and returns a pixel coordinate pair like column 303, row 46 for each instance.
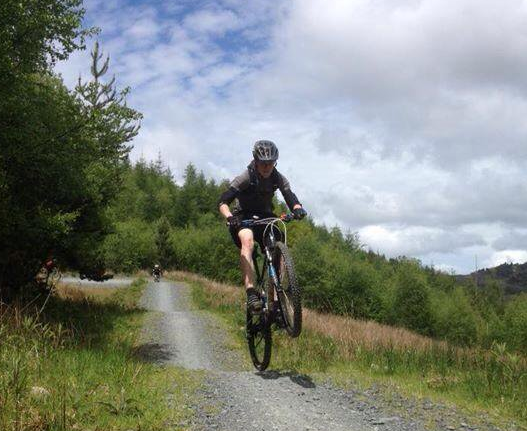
column 68, row 191
column 180, row 226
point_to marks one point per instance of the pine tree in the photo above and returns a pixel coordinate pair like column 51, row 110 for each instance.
column 163, row 243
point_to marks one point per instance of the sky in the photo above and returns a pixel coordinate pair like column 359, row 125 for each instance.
column 403, row 121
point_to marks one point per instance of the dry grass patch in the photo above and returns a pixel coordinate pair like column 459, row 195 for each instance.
column 351, row 333
column 79, row 293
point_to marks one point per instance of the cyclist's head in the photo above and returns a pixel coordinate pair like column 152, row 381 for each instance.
column 156, row 266
column 265, row 156
column 265, row 152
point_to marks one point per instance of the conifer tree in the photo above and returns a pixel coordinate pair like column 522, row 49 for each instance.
column 162, row 242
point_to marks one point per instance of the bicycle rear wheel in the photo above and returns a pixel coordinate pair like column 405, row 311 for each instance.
column 289, row 295
column 259, row 339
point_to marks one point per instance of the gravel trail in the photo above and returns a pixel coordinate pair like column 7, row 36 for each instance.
column 237, row 398
column 112, row 282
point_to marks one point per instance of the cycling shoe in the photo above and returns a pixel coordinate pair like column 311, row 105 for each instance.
column 254, row 302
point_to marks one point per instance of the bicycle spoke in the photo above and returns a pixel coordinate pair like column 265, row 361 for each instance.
column 259, row 341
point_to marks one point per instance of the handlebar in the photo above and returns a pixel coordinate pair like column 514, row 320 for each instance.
column 286, row 218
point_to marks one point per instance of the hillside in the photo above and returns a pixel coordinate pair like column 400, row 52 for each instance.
column 511, row 276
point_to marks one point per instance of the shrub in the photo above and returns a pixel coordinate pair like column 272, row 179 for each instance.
column 352, row 287
column 206, row 250
column 454, row 317
column 515, row 322
column 310, row 268
column 411, row 306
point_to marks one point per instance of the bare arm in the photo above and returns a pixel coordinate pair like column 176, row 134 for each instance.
column 225, row 211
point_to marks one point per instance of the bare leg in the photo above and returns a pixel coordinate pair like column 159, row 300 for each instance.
column 246, row 253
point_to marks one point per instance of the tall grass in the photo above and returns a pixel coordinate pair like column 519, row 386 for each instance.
column 495, row 379
column 73, row 366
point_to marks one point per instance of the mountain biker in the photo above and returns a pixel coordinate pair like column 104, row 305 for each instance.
column 156, row 271
column 254, row 190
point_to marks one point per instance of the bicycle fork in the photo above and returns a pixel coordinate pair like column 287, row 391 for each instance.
column 272, row 271
column 277, row 287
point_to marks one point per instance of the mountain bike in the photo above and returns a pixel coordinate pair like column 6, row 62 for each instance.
column 278, row 289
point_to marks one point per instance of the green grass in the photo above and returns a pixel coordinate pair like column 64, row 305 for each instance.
column 75, row 367
column 493, row 382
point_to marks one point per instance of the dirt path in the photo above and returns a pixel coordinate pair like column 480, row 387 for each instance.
column 235, row 396
column 112, row 282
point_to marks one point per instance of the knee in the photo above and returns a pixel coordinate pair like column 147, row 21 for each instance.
column 247, row 246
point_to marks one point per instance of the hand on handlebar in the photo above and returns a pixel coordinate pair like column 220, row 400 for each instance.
column 299, row 213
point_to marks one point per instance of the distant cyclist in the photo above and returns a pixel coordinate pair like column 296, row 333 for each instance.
column 156, row 271
column 254, row 190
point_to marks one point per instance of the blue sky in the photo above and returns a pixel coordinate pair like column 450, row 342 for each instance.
column 403, row 121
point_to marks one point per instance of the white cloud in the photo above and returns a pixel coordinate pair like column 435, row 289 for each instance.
column 211, row 22
column 416, row 240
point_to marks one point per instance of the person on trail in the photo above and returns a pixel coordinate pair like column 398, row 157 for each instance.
column 156, row 271
column 254, row 190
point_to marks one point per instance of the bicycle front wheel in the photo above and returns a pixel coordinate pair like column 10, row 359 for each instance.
column 259, row 339
column 289, row 294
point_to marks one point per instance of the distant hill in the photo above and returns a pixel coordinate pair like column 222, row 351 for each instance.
column 512, row 276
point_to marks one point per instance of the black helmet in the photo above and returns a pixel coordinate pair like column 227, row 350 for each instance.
column 265, row 151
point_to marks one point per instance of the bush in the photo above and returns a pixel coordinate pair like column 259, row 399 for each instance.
column 310, row 269
column 454, row 317
column 208, row 251
column 411, row 304
column 352, row 287
column 515, row 322
column 337, row 279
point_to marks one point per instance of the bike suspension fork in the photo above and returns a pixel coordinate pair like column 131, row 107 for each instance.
column 270, row 268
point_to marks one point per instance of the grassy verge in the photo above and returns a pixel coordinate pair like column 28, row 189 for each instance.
column 367, row 353
column 74, row 366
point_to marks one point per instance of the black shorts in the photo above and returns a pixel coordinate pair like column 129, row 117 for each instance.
column 258, row 232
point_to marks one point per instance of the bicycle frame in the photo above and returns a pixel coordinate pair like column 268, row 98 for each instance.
column 267, row 264
column 275, row 300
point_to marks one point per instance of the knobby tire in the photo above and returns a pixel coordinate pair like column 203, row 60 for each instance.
column 259, row 339
column 290, row 297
